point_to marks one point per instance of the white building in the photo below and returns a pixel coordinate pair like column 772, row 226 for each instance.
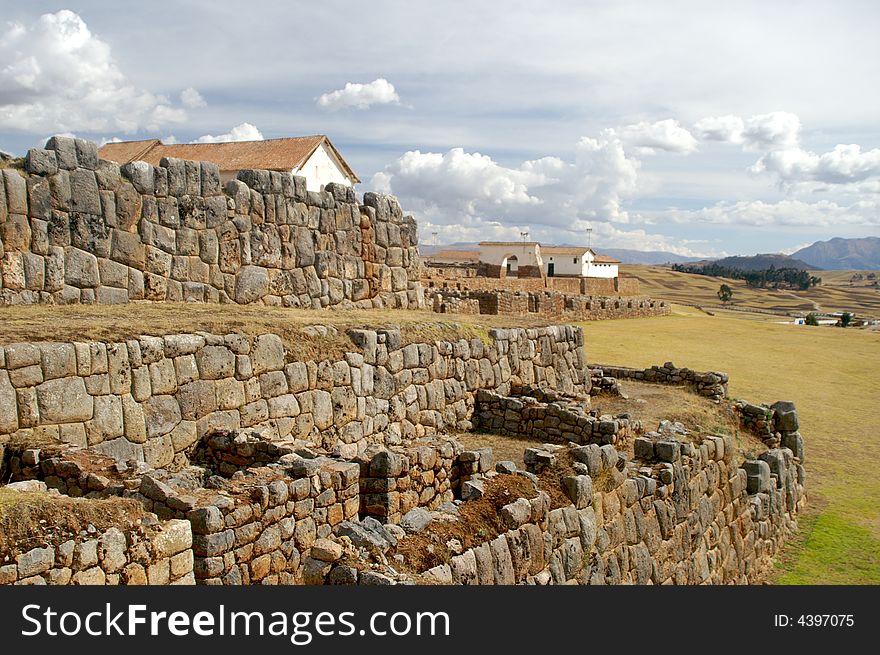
column 510, row 259
column 313, row 157
column 577, row 262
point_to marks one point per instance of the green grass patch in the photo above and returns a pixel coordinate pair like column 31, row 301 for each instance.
column 836, row 550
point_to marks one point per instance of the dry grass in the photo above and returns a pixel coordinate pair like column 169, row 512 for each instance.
column 504, row 446
column 31, row 520
column 834, row 294
column 652, row 403
column 832, row 376
column 114, row 323
column 479, row 522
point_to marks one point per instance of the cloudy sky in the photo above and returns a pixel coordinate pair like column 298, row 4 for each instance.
column 701, row 128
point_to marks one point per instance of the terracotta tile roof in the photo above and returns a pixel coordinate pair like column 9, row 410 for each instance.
column 604, row 259
column 126, row 151
column 270, row 154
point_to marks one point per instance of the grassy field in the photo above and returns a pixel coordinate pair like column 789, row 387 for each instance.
column 832, row 376
column 834, row 294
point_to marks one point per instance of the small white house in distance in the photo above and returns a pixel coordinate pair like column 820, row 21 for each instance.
column 313, row 157
column 510, row 259
column 577, row 262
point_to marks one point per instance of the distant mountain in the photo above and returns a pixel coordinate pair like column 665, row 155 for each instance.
column 843, row 254
column 427, row 250
column 762, row 262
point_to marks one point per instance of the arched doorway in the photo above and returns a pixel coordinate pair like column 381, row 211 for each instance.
column 510, row 266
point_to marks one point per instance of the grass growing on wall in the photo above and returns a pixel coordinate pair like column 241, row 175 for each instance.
column 830, row 373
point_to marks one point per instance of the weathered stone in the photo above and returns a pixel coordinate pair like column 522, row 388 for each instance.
column 64, row 401
column 252, row 284
column 785, row 416
column 415, row 520
column 80, row 269
column 326, row 550
column 175, row 537
column 162, row 414
column 35, row 561
column 516, row 513
column 472, row 490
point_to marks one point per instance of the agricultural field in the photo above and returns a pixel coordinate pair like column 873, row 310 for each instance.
column 834, row 294
column 831, row 374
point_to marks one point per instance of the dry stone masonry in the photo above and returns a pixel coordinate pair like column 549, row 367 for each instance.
column 246, row 506
column 153, row 399
column 678, row 513
column 76, row 229
column 549, row 304
column 712, row 384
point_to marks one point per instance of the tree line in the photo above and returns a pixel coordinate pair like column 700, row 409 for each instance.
column 767, row 278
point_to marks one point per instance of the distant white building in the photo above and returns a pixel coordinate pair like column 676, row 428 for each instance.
column 530, row 259
column 577, row 262
column 510, row 259
column 313, row 157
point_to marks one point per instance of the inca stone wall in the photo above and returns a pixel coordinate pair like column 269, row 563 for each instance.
column 152, row 399
column 678, row 513
column 76, row 229
column 711, row 384
column 546, row 304
column 147, row 554
column 545, row 416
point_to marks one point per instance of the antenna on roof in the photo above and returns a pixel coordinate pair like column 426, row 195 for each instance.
column 589, row 237
column 524, row 236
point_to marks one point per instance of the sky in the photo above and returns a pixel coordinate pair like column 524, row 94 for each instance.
column 701, row 128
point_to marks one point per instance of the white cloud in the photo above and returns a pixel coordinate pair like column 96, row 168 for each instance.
column 192, row 99
column 665, row 135
column 772, row 131
column 791, row 213
column 360, row 96
column 58, row 76
column 846, row 164
column 548, row 191
column 727, row 128
column 242, row 132
column 778, row 129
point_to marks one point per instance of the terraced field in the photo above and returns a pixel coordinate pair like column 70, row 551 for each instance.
column 834, row 294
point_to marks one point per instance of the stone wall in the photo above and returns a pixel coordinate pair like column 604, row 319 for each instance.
column 147, row 554
column 547, row 304
column 679, row 513
column 548, row 418
column 468, row 277
column 394, row 481
column 74, row 228
column 153, row 398
column 712, row 384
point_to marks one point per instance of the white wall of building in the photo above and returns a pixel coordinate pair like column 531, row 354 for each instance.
column 594, row 269
column 322, row 168
column 527, row 254
column 565, row 264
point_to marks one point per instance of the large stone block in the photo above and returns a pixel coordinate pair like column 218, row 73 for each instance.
column 81, row 269
column 162, row 414
column 267, row 353
column 64, row 400
column 8, row 405
column 215, row 362
column 252, row 284
column 84, row 195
